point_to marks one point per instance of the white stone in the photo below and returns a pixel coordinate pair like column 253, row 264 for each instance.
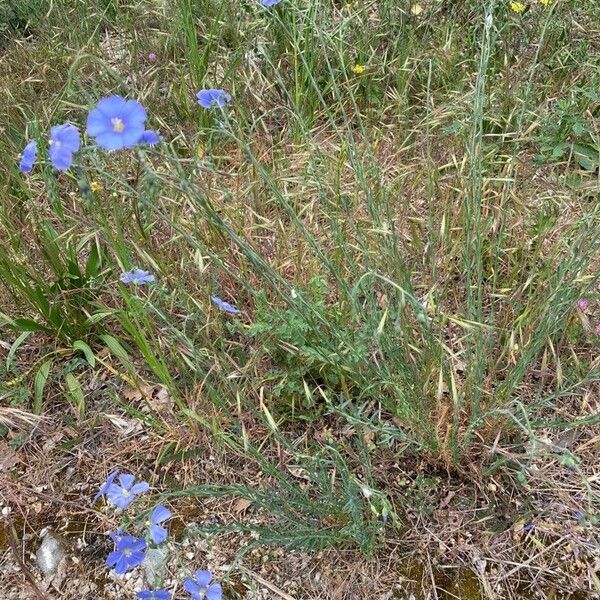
column 49, row 554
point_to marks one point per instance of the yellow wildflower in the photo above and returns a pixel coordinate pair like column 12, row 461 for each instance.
column 517, row 7
column 416, row 9
column 96, row 186
column 545, row 2
column 358, row 69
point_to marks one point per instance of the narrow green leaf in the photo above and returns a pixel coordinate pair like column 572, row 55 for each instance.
column 38, row 297
column 74, row 270
column 76, row 393
column 89, row 355
column 116, row 348
column 15, row 346
column 6, row 320
column 28, row 325
column 92, row 266
column 41, row 377
column 99, row 316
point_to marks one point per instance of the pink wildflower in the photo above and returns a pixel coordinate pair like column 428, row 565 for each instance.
column 583, row 303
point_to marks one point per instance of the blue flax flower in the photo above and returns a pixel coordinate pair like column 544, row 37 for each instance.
column 154, row 595
column 159, row 515
column 28, row 157
column 213, row 98
column 117, row 123
column 124, row 494
column 64, row 142
column 104, row 487
column 149, row 137
column 225, row 306
column 129, row 552
column 137, row 277
column 200, row 587
column 270, row 2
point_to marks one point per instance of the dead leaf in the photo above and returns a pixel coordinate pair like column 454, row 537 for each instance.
column 298, row 472
column 51, row 442
column 161, row 397
column 132, row 394
column 60, row 575
column 447, row 499
column 125, row 426
column 8, row 457
column 241, row 505
column 156, row 397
